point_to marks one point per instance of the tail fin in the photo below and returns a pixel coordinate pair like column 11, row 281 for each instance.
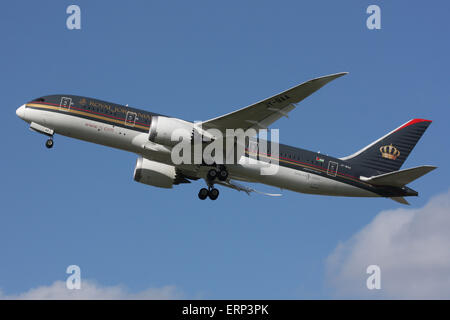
column 388, row 153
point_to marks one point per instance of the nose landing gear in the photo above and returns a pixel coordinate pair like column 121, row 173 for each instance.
column 49, row 143
column 45, row 131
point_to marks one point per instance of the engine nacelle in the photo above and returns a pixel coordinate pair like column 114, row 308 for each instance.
column 162, row 128
column 154, row 173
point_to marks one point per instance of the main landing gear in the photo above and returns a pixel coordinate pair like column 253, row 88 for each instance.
column 220, row 173
column 49, row 143
column 211, row 192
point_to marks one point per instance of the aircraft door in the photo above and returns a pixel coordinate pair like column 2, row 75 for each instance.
column 65, row 103
column 130, row 119
column 332, row 168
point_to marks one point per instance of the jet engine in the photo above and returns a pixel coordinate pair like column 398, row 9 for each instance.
column 162, row 129
column 157, row 174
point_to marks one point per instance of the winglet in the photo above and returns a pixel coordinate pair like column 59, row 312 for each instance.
column 325, row 79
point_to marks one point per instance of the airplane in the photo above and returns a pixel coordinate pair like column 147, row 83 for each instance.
column 373, row 171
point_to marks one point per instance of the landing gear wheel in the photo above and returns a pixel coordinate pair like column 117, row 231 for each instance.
column 49, row 143
column 212, row 174
column 203, row 194
column 213, row 194
column 223, row 174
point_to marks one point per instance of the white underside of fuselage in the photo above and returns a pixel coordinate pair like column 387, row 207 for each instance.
column 137, row 142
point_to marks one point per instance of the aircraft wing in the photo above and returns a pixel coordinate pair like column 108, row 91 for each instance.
column 262, row 114
column 236, row 186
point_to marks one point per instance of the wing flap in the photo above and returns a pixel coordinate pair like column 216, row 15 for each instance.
column 236, row 186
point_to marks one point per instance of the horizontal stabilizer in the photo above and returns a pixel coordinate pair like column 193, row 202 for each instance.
column 398, row 178
column 400, row 200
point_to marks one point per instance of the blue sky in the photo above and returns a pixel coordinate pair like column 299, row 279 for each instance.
column 78, row 204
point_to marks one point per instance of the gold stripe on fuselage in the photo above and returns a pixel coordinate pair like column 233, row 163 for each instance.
column 44, row 106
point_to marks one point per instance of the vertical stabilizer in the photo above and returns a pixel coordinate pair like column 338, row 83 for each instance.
column 388, row 153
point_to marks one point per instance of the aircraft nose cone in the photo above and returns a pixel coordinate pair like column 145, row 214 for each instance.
column 21, row 112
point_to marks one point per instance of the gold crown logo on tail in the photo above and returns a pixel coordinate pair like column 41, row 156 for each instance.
column 389, row 152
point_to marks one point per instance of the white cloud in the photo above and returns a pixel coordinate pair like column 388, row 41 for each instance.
column 92, row 291
column 412, row 248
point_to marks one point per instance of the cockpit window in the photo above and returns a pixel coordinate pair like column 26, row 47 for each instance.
column 39, row 99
